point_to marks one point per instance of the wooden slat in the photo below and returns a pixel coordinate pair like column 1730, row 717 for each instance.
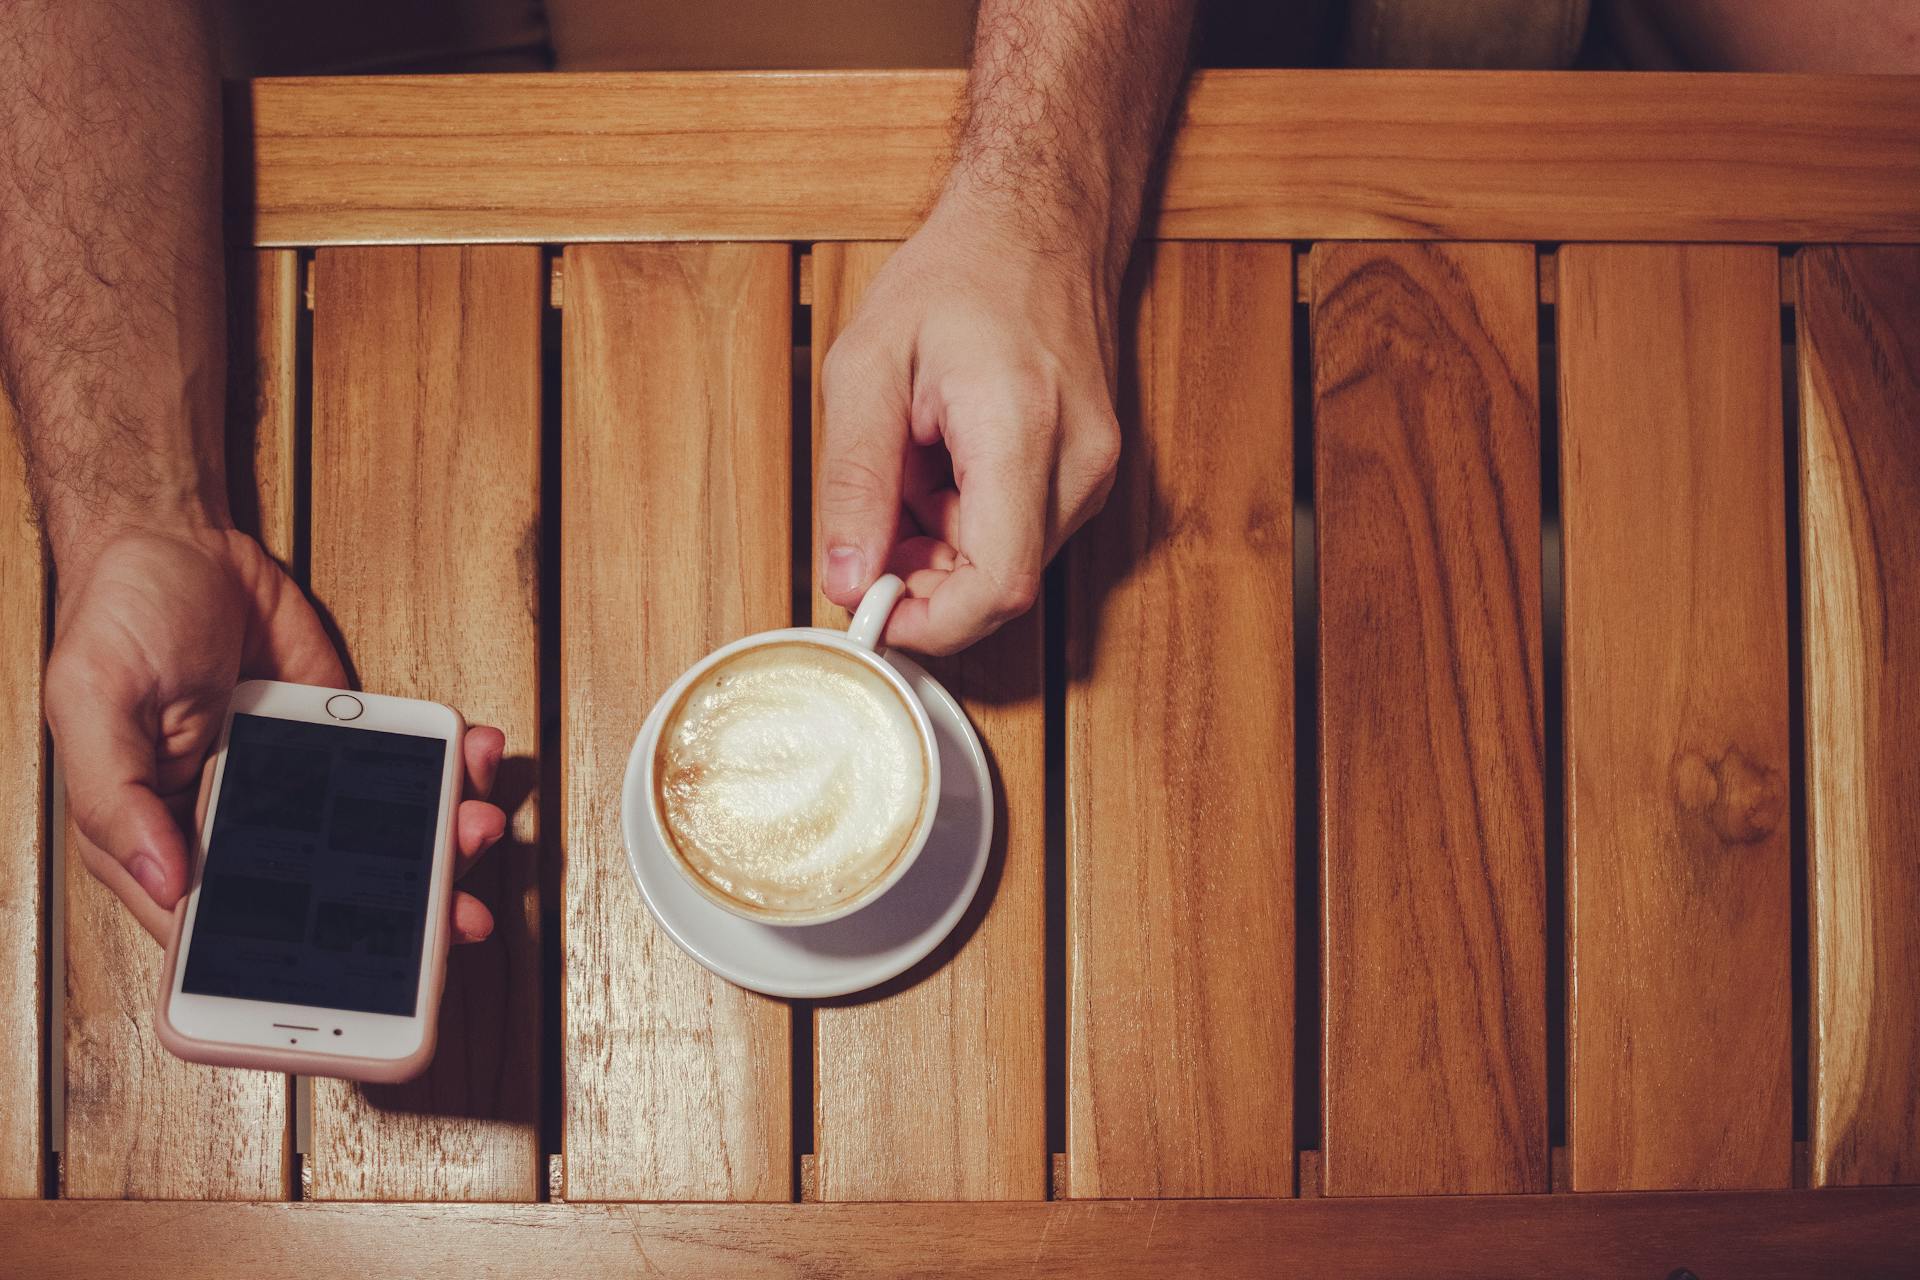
column 852, row 155
column 140, row 1122
column 23, row 830
column 263, row 291
column 936, row 1090
column 1180, row 750
column 1676, row 717
column 675, row 537
column 1752, row 1234
column 426, row 475
column 1427, row 457
column 1859, row 340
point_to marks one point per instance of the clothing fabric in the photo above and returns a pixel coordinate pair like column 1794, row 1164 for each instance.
column 647, row 35
column 1491, row 35
column 369, row 37
column 381, row 37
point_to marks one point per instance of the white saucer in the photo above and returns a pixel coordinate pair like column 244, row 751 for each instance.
column 883, row 939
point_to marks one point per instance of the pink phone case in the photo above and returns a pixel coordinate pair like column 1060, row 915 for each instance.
column 307, row 1062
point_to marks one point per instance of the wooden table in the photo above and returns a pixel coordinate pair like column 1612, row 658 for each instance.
column 1371, row 928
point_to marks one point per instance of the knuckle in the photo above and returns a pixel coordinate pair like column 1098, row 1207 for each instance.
column 1035, row 401
column 1015, row 593
column 1098, row 449
column 1022, row 397
column 63, row 671
column 1089, row 467
column 851, row 484
column 69, row 683
column 1088, row 507
column 92, row 811
column 851, row 359
column 833, row 367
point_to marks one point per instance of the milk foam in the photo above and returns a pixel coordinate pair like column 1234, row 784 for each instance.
column 791, row 777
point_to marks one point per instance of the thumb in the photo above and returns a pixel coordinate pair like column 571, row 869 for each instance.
column 863, row 449
column 107, row 757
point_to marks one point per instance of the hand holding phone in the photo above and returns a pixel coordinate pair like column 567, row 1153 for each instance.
column 312, row 937
column 133, row 722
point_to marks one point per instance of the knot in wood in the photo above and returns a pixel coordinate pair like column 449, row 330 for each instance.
column 1740, row 797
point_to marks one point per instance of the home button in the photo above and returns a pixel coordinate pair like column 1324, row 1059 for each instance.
column 344, row 706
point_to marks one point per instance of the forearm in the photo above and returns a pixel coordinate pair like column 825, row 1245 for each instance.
column 112, row 337
column 1066, row 105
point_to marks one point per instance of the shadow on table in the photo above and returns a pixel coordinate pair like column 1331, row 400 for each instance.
column 919, row 896
column 487, row 1063
column 1134, row 525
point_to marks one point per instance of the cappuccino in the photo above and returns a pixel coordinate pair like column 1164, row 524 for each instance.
column 790, row 777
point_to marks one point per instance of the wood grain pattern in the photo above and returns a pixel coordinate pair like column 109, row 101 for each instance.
column 676, row 536
column 23, row 829
column 1750, row 1234
column 854, row 155
column 1180, row 750
column 140, row 1122
column 426, row 507
column 263, row 292
column 1859, row 341
column 1676, row 717
column 1427, row 453
column 936, row 1090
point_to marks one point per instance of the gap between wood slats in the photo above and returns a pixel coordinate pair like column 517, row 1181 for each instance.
column 1307, row 1023
column 1553, row 717
column 300, row 565
column 552, row 744
column 55, row 1136
column 800, row 404
column 1054, row 890
column 52, row 1077
column 53, row 937
column 1798, row 952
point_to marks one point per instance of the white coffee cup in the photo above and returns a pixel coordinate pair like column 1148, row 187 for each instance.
column 859, row 641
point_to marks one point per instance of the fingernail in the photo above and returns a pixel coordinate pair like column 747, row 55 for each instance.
column 149, row 875
column 846, row 571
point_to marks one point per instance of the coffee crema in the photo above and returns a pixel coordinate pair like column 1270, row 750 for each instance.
column 790, row 777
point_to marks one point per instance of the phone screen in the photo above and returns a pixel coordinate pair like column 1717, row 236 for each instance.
column 318, row 867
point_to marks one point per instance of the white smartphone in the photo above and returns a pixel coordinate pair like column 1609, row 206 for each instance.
column 313, row 938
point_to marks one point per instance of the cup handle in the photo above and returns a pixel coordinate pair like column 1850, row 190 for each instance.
column 870, row 620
